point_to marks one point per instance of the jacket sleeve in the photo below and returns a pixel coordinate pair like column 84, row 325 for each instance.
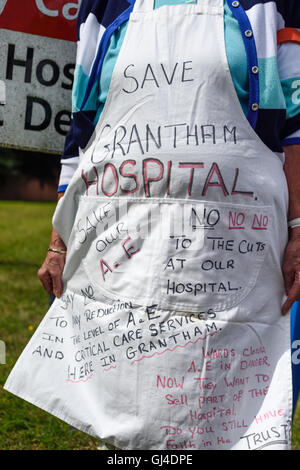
column 289, row 67
column 89, row 33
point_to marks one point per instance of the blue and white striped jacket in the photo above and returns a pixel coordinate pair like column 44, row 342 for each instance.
column 274, row 47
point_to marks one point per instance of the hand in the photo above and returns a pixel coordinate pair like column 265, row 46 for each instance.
column 291, row 271
column 50, row 273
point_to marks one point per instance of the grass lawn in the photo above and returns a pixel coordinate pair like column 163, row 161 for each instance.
column 24, row 237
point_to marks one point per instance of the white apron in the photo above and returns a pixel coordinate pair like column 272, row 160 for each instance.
column 169, row 333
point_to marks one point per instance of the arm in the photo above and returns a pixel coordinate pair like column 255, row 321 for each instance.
column 291, row 262
column 89, row 32
column 288, row 59
column 50, row 273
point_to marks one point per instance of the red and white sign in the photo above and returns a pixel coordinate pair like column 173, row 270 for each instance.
column 51, row 18
column 37, row 62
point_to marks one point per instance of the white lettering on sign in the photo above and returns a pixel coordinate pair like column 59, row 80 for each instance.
column 2, row 5
column 42, row 7
column 66, row 10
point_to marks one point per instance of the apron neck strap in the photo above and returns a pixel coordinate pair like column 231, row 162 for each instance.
column 143, row 6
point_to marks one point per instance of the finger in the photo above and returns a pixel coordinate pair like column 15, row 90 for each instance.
column 293, row 296
column 46, row 281
column 57, row 284
column 289, row 278
column 287, row 306
column 55, row 266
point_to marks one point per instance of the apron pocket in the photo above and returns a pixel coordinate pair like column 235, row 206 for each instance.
column 211, row 255
column 174, row 253
column 116, row 240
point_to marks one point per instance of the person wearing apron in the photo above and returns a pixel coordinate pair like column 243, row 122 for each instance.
column 169, row 333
